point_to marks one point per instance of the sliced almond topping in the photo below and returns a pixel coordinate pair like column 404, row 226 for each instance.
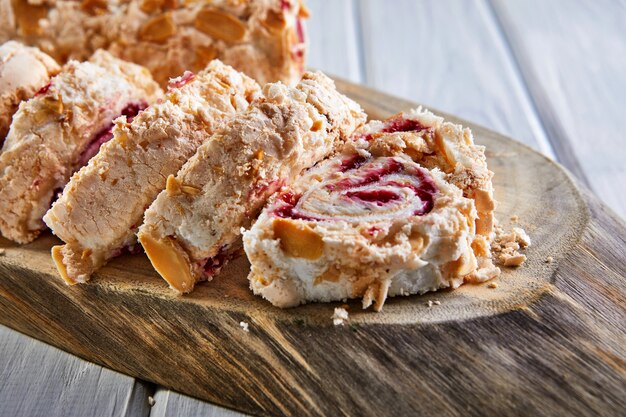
column 172, row 186
column 466, row 264
column 303, row 11
column 151, row 6
column 28, row 16
column 170, row 261
column 317, row 125
column 298, row 240
column 220, row 25
column 190, row 189
column 204, row 55
column 274, row 21
column 94, row 7
column 57, row 257
column 158, row 29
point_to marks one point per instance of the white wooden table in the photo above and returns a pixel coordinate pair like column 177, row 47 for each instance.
column 551, row 74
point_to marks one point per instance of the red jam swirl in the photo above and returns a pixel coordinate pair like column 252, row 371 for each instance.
column 421, row 184
column 104, row 135
column 184, row 79
column 401, row 124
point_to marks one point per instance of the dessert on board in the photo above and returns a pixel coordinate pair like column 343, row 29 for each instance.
column 58, row 130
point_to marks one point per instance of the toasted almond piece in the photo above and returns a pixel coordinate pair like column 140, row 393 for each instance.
column 28, row 16
column 466, row 264
column 94, row 7
column 204, row 55
column 151, row 6
column 170, row 261
column 172, row 186
column 274, row 21
column 303, row 12
column 158, row 29
column 57, row 257
column 220, row 25
column 298, row 240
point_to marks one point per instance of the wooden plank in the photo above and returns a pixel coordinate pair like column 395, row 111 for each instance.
column 172, row 404
column 571, row 55
column 549, row 340
column 40, row 380
column 333, row 39
column 450, row 55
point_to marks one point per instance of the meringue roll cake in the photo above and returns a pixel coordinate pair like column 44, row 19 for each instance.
column 263, row 38
column 194, row 225
column 57, row 131
column 102, row 206
column 23, row 72
column 405, row 208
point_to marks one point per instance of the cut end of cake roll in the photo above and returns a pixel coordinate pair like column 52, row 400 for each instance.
column 224, row 185
column 393, row 214
column 102, row 206
column 23, row 72
column 58, row 130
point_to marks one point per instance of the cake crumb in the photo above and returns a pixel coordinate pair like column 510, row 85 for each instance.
column 151, row 400
column 244, row 326
column 549, row 259
column 430, row 303
column 340, row 316
column 2, row 251
column 492, row 285
column 437, row 302
column 506, row 246
column 514, row 218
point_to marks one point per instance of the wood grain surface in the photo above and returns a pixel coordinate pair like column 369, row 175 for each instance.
column 549, row 340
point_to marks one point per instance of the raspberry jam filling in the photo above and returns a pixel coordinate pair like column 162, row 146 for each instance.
column 396, row 124
column 400, row 124
column 44, row 89
column 352, row 163
column 368, row 177
column 287, row 207
column 184, row 79
column 386, row 191
column 104, row 135
column 213, row 265
column 378, row 197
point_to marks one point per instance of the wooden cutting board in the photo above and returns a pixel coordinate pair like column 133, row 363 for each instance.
column 549, row 340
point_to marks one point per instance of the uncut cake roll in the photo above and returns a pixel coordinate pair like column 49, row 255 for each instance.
column 23, row 72
column 405, row 208
column 263, row 38
column 59, row 130
column 102, row 206
column 193, row 227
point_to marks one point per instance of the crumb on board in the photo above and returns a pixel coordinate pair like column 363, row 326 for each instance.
column 506, row 246
column 151, row 400
column 492, row 285
column 430, row 303
column 514, row 218
column 437, row 302
column 244, row 326
column 340, row 316
column 549, row 259
column 2, row 251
